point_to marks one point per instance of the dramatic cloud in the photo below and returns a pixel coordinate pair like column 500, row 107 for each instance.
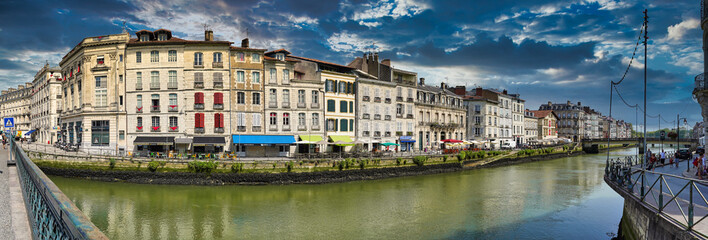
column 546, row 50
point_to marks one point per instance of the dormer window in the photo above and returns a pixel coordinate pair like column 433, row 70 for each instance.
column 144, row 38
column 162, row 37
column 99, row 60
column 280, row 56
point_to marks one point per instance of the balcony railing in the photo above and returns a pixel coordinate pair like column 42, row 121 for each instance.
column 154, row 86
column 198, row 130
column 316, row 127
column 387, row 134
column 399, row 99
column 409, row 116
column 199, row 106
column 700, row 80
column 198, row 84
column 285, row 105
column 155, row 108
column 301, row 105
column 217, row 64
column 377, row 99
column 399, row 133
column 365, row 116
column 218, row 106
column 377, row 117
column 398, row 115
column 139, row 128
column 256, row 128
column 377, row 134
column 173, row 129
column 172, row 108
column 314, row 105
column 387, row 117
column 155, row 129
column 365, row 98
column 286, row 127
column 365, row 133
column 387, row 100
column 218, row 130
column 219, row 85
column 273, row 127
column 138, row 109
column 172, row 85
column 138, row 87
column 410, row 99
column 301, row 128
column 273, row 104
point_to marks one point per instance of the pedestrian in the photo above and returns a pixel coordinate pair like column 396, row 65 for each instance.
column 701, row 166
column 677, row 161
column 663, row 157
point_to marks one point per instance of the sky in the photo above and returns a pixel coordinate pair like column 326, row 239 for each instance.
column 544, row 50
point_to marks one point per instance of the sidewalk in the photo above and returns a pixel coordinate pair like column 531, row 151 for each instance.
column 13, row 214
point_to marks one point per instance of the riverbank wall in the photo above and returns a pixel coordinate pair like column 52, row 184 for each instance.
column 317, row 177
column 640, row 221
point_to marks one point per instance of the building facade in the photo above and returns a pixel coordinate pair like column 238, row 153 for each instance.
column 247, row 99
column 482, row 120
column 571, row 123
column 547, row 122
column 15, row 103
column 440, row 114
column 531, row 124
column 45, row 106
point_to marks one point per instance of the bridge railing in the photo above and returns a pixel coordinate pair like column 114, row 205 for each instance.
column 681, row 200
column 51, row 214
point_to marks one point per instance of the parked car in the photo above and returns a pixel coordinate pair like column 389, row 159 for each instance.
column 683, row 153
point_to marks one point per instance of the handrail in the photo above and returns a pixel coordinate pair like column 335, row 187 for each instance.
column 52, row 215
column 622, row 172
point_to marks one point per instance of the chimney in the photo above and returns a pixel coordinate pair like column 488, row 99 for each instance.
column 550, row 103
column 443, row 86
column 208, row 35
column 386, row 62
column 578, row 104
column 460, row 90
column 478, row 91
column 244, row 43
column 376, row 57
column 568, row 102
column 422, row 81
column 505, row 92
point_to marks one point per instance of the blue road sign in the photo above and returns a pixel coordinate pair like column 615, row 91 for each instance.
column 9, row 122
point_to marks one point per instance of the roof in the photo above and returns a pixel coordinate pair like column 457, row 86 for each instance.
column 250, row 49
column 542, row 113
column 436, row 89
column 275, row 59
column 320, row 61
column 356, row 63
column 174, row 40
column 279, row 50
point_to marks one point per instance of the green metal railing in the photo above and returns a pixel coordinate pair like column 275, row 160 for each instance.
column 51, row 214
column 686, row 207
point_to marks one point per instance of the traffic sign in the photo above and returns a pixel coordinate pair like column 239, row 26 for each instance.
column 9, row 122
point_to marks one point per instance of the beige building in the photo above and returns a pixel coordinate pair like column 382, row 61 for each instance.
column 93, row 92
column 547, row 120
column 482, row 120
column 15, row 103
column 571, row 119
column 45, row 106
column 530, row 127
column 440, row 114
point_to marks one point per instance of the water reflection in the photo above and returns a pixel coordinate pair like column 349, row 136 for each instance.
column 549, row 199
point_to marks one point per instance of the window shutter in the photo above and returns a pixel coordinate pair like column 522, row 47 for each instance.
column 196, row 120
column 216, row 120
column 336, row 87
column 199, row 98
column 221, row 120
column 218, row 98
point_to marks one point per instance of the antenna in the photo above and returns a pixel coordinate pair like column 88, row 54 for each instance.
column 246, row 32
column 206, row 26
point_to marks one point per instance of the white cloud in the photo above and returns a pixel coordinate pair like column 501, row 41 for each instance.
column 351, row 42
column 610, row 4
column 373, row 11
column 677, row 31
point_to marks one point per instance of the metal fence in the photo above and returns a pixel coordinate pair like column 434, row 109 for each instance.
column 52, row 215
column 687, row 207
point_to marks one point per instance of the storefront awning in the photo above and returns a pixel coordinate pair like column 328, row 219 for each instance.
column 208, row 141
column 407, row 139
column 30, row 132
column 153, row 140
column 311, row 138
column 263, row 139
column 183, row 140
column 340, row 138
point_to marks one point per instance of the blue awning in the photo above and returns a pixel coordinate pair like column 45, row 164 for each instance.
column 263, row 139
column 407, row 139
column 30, row 132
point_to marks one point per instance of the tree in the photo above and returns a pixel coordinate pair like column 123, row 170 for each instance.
column 672, row 135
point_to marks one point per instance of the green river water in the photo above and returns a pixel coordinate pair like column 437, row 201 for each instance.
column 556, row 199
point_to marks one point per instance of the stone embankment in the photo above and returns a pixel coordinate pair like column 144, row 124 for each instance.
column 317, row 177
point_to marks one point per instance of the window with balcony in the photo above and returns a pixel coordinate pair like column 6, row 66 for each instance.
column 198, row 80
column 256, row 77
column 218, row 80
column 173, row 124
column 218, row 101
column 199, row 100
column 139, row 124
column 256, row 99
column 154, row 56
column 172, row 80
column 173, row 102
column 241, row 98
column 198, row 59
column 154, row 80
column 172, row 56
column 155, row 102
column 155, row 124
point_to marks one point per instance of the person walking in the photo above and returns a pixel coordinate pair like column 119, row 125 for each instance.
column 663, row 157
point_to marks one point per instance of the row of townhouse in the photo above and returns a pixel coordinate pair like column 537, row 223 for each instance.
column 614, row 128
column 159, row 93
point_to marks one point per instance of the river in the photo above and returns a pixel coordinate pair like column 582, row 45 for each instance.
column 556, row 199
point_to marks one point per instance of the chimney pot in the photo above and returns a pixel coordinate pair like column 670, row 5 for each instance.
column 208, row 35
column 478, row 91
column 244, row 43
column 505, row 92
column 578, row 103
column 422, row 81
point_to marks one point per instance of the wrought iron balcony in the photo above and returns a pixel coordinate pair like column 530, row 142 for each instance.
column 256, row 128
column 155, row 108
column 217, row 64
column 365, row 98
column 198, row 84
column 218, row 84
column 387, row 100
column 199, row 106
column 155, row 128
column 172, row 85
column 198, row 130
column 154, row 86
column 314, row 105
column 301, row 105
column 173, row 129
column 700, row 82
column 399, row 99
column 172, row 108
column 315, row 127
column 218, row 130
column 218, row 106
column 365, row 116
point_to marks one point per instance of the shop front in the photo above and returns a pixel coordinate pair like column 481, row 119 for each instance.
column 309, row 144
column 208, row 145
column 340, row 144
column 153, row 146
column 262, row 145
column 407, row 143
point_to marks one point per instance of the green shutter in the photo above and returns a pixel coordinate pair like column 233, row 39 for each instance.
column 335, row 125
column 343, row 123
column 351, row 107
column 351, row 125
column 343, row 106
column 330, row 105
column 335, row 86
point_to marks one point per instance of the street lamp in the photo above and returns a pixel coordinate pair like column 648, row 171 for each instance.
column 678, row 136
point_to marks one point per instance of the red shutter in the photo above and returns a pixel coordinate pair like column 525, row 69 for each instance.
column 218, row 98
column 201, row 120
column 196, row 120
column 221, row 120
column 198, row 98
column 216, row 120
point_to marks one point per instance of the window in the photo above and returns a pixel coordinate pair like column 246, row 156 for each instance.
column 199, row 120
column 156, row 100
column 154, row 56
column 120, row 78
column 138, row 81
column 329, row 86
column 256, row 77
column 286, row 76
column 120, row 58
column 172, row 56
column 198, row 80
column 138, row 57
column 280, row 56
column 301, row 96
column 343, row 125
column 218, row 99
column 217, row 57
column 140, row 122
column 99, row 60
column 273, row 76
column 256, row 120
column 173, row 122
column 241, row 119
column 256, row 99
column 343, row 106
column 101, row 99
column 240, row 76
column 241, row 98
column 331, row 125
column 241, row 57
column 273, row 119
column 155, row 122
column 351, row 107
column 172, row 79
column 139, row 101
column 100, row 133
column 121, row 100
column 273, row 96
column 315, row 97
column 315, row 119
column 351, row 125
column 342, row 87
column 301, row 119
column 218, row 120
column 173, row 99
column 331, row 106
column 286, row 96
column 399, row 109
column 255, row 57
column 144, row 37
column 198, row 59
column 199, row 100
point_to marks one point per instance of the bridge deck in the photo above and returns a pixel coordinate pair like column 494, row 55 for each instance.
column 13, row 214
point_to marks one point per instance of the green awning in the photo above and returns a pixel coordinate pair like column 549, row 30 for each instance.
column 340, row 138
column 390, row 144
column 311, row 138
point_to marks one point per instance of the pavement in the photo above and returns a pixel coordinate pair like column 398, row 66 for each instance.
column 13, row 214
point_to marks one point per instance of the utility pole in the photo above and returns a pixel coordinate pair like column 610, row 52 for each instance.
column 646, row 28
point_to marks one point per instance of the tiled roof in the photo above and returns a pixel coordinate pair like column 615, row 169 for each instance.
column 278, row 50
column 174, row 40
column 542, row 113
column 320, row 61
column 247, row 49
